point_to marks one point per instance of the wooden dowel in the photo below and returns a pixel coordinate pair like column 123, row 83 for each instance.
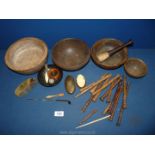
column 88, row 116
column 112, row 86
column 125, row 92
column 87, row 87
column 104, row 78
column 124, row 101
column 119, row 120
column 115, row 100
column 95, row 97
column 86, row 105
column 108, row 109
column 104, row 96
column 101, row 78
column 106, row 84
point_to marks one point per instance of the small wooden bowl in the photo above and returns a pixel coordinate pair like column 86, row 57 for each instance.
column 27, row 55
column 114, row 61
column 70, row 54
column 135, row 67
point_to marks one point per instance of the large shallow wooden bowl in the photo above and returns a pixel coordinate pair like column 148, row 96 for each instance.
column 135, row 67
column 114, row 61
column 27, row 55
column 70, row 54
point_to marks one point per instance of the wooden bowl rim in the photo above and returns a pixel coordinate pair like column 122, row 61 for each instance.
column 138, row 60
column 106, row 66
column 7, row 62
column 75, row 67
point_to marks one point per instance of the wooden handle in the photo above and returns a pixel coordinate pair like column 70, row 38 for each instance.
column 105, row 55
column 117, row 49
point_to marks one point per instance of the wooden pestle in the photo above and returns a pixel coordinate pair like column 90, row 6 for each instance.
column 105, row 55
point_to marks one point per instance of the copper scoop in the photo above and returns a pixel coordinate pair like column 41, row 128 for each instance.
column 105, row 55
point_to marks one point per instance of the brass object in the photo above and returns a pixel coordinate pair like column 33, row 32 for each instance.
column 135, row 67
column 27, row 55
column 50, row 75
column 115, row 60
column 70, row 54
column 70, row 84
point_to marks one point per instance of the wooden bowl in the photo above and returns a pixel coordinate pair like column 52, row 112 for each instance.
column 27, row 55
column 135, row 67
column 114, row 61
column 70, row 54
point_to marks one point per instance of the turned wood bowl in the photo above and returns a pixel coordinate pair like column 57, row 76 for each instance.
column 27, row 55
column 135, row 67
column 115, row 60
column 70, row 54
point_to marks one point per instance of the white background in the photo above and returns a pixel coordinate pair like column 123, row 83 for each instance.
column 81, row 145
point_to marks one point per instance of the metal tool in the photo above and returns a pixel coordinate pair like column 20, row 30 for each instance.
column 50, row 100
column 94, row 121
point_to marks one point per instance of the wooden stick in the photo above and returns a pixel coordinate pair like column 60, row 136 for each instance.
column 94, row 111
column 125, row 92
column 115, row 100
column 95, row 97
column 104, row 95
column 98, row 85
column 119, row 120
column 94, row 84
column 109, row 108
column 112, row 86
column 86, row 87
column 124, row 101
column 86, row 105
column 106, row 84
column 94, row 88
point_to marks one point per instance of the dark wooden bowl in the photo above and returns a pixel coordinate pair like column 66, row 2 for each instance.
column 70, row 54
column 114, row 61
column 135, row 67
column 27, row 55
